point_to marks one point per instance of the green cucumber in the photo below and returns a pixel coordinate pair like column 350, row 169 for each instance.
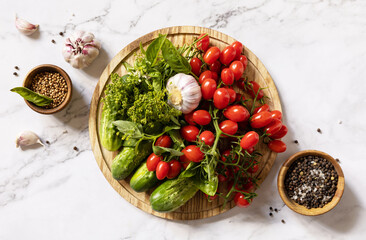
column 172, row 194
column 108, row 132
column 143, row 179
column 128, row 159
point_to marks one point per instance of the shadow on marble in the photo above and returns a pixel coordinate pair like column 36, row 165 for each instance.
column 99, row 64
column 76, row 114
column 344, row 216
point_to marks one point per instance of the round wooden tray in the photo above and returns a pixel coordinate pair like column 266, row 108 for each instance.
column 198, row 207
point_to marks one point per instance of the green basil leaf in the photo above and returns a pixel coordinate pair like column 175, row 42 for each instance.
column 129, row 128
column 154, row 48
column 176, row 61
column 177, row 139
column 189, row 172
column 36, row 98
column 160, row 150
column 207, row 186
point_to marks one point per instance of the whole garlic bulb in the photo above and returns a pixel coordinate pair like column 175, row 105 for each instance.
column 80, row 49
column 27, row 138
column 184, row 92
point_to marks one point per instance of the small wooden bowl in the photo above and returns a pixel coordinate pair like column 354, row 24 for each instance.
column 302, row 209
column 50, row 68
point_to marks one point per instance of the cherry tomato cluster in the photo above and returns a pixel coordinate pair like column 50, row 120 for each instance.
column 156, row 163
column 218, row 72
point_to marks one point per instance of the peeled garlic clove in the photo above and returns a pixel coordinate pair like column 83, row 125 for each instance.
column 80, row 49
column 24, row 26
column 27, row 138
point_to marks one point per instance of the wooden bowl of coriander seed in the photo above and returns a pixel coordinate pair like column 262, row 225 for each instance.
column 50, row 81
column 311, row 182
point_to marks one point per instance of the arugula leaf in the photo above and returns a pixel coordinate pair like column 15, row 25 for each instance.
column 207, row 186
column 160, row 150
column 129, row 128
column 175, row 60
column 154, row 48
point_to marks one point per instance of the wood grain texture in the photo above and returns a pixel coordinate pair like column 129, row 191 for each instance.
column 198, row 207
column 300, row 208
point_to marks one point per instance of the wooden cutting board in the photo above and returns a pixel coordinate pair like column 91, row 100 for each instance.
column 198, row 207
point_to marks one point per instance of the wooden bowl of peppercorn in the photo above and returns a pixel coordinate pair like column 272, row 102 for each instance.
column 51, row 81
column 311, row 182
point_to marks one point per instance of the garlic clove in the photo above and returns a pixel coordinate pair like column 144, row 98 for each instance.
column 27, row 138
column 24, row 26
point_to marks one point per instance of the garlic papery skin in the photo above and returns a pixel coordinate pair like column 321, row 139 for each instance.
column 184, row 93
column 27, row 138
column 80, row 49
column 24, row 26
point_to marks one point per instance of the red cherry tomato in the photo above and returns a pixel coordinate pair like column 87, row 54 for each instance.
column 203, row 43
column 164, row 141
column 238, row 46
column 254, row 168
column 228, row 127
column 174, row 169
column 237, row 68
column 249, row 140
column 184, row 161
column 162, row 170
column 250, row 150
column 221, row 98
column 152, row 161
column 208, row 88
column 232, row 94
column 189, row 118
column 224, row 177
column 276, row 114
column 196, row 64
column 261, row 119
column 248, row 186
column 277, row 146
column 281, row 133
column 215, row 76
column 211, row 198
column 255, row 90
column 215, row 67
column 189, row 133
column 205, row 75
column 239, row 97
column 236, row 113
column 273, row 127
column 193, row 153
column 225, row 155
column 240, row 83
column 227, row 55
column 262, row 108
column 212, row 54
column 202, row 117
column 207, row 137
column 240, row 200
column 227, row 76
column 244, row 60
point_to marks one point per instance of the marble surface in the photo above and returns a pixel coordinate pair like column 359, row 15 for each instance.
column 314, row 49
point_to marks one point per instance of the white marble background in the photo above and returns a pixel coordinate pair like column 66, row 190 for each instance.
column 315, row 51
